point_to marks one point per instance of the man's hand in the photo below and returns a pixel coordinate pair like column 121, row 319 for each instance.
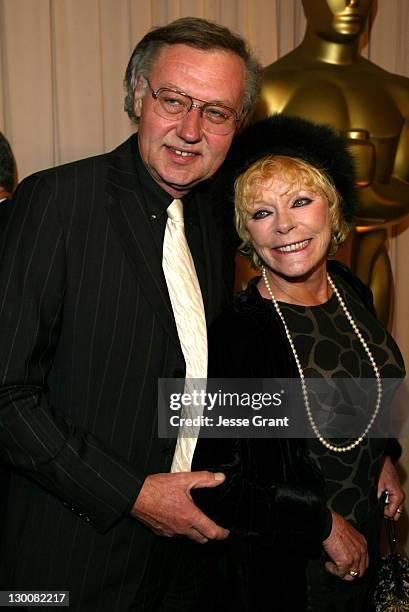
column 389, row 481
column 347, row 548
column 166, row 506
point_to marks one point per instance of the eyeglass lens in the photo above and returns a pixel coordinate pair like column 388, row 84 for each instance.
column 215, row 119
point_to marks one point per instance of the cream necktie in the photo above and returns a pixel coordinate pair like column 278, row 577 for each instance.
column 188, row 310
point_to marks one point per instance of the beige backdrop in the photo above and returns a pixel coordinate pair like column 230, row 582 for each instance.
column 62, row 64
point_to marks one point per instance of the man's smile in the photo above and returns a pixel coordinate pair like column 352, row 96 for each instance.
column 182, row 153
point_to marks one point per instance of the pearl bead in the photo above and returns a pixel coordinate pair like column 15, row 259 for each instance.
column 320, row 437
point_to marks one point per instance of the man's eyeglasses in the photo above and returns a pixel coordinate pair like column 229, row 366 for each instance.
column 173, row 104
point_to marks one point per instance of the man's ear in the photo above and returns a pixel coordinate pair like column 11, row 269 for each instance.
column 138, row 95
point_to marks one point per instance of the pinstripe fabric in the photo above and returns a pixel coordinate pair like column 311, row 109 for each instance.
column 86, row 328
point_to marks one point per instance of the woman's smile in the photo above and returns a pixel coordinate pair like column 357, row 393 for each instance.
column 293, row 247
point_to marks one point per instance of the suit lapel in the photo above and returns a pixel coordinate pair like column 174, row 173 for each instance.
column 211, row 223
column 130, row 221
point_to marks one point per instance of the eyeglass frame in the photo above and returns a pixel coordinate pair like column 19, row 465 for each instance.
column 237, row 117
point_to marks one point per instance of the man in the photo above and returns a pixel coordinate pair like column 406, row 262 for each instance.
column 7, row 173
column 7, row 180
column 88, row 327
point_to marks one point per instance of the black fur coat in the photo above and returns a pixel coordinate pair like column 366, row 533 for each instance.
column 273, row 497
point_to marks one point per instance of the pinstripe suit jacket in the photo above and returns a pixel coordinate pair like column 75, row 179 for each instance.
column 86, row 329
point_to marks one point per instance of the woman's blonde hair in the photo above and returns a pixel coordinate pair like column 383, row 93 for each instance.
column 298, row 174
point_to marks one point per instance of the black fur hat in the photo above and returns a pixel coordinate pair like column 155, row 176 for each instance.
column 316, row 144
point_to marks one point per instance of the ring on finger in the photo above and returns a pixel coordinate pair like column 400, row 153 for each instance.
column 399, row 511
column 353, row 573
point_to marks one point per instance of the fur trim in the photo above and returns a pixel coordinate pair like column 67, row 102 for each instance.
column 317, row 144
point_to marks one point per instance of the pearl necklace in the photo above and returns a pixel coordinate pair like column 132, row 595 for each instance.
column 324, row 442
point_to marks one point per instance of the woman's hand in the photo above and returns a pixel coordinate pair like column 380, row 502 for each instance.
column 347, row 549
column 389, row 482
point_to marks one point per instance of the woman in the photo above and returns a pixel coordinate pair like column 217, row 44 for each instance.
column 304, row 317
